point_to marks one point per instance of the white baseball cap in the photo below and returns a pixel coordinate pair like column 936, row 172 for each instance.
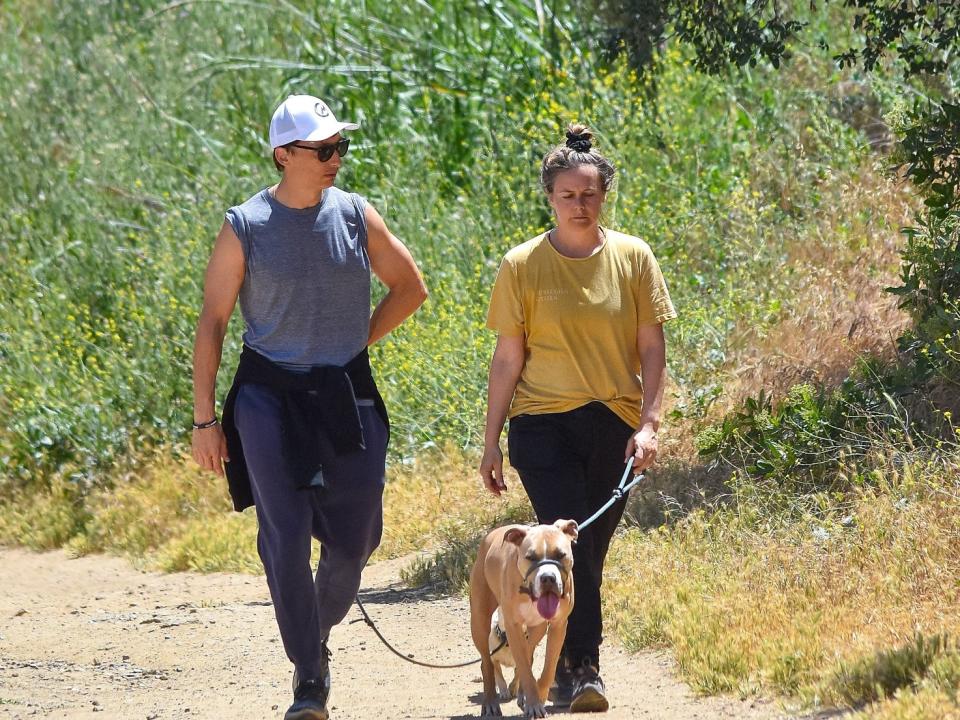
column 304, row 117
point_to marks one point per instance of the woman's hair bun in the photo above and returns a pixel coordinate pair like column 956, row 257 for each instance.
column 576, row 151
column 578, row 138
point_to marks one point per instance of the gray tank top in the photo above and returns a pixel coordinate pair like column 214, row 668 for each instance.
column 305, row 297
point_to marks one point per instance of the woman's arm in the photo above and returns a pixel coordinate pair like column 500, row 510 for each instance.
column 652, row 348
column 505, row 368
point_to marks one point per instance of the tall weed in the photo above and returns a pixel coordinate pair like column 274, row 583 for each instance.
column 112, row 204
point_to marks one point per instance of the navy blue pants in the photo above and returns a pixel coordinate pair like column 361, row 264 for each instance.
column 569, row 464
column 346, row 516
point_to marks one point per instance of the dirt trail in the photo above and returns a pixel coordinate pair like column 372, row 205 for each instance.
column 95, row 638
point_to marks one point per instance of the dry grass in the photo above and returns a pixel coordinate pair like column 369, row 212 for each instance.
column 43, row 520
column 838, row 265
column 747, row 607
column 839, row 310
column 440, row 496
column 171, row 516
column 926, row 704
column 837, row 314
column 146, row 509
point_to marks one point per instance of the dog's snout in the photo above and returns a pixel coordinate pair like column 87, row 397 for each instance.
column 549, row 580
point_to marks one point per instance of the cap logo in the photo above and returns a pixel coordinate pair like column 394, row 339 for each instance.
column 321, row 110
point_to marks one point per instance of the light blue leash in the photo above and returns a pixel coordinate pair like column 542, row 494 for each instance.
column 622, row 489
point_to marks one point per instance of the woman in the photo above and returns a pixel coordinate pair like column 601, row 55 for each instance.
column 580, row 366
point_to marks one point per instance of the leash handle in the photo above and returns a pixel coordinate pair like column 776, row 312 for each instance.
column 626, row 472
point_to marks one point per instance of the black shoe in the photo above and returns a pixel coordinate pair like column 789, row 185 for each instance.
column 561, row 692
column 309, row 702
column 325, row 655
column 588, row 690
column 310, row 697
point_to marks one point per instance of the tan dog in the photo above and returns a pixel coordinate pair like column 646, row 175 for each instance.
column 526, row 572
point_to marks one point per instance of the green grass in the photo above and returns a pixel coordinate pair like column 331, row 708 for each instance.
column 112, row 204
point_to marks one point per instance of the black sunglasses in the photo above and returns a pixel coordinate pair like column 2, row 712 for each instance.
column 325, row 152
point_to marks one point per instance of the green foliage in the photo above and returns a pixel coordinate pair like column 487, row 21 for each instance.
column 720, row 32
column 112, row 204
column 930, row 272
column 921, row 34
column 930, row 260
column 800, row 441
column 928, row 150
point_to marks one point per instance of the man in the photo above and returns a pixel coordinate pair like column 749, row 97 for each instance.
column 304, row 431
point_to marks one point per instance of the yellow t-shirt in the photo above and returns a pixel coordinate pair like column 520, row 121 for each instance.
column 579, row 317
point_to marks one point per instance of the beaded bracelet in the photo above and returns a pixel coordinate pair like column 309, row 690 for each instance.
column 205, row 425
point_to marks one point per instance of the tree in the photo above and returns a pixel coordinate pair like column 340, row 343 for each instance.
column 923, row 34
column 923, row 37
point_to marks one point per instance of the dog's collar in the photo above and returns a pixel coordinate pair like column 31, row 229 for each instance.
column 525, row 585
column 501, row 634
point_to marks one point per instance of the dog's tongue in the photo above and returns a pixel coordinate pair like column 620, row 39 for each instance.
column 547, row 605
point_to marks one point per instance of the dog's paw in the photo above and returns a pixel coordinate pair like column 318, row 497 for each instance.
column 491, row 709
column 535, row 710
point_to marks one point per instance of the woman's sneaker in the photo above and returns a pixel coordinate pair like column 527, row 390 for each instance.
column 588, row 690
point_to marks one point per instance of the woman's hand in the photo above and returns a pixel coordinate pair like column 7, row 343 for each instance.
column 210, row 448
column 491, row 470
column 642, row 445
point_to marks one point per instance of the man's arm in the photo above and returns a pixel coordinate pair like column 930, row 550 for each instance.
column 653, row 371
column 393, row 264
column 221, row 286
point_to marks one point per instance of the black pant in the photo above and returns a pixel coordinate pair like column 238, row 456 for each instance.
column 346, row 517
column 569, row 464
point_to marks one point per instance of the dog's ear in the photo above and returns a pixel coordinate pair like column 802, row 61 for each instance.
column 568, row 527
column 515, row 535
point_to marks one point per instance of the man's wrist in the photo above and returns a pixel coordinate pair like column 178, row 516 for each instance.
column 204, row 424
